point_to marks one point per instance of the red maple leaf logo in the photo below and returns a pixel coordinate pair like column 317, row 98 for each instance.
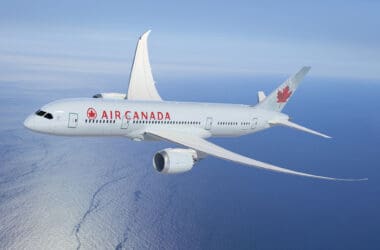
column 91, row 113
column 283, row 95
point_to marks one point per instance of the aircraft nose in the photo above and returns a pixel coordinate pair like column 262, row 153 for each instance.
column 29, row 122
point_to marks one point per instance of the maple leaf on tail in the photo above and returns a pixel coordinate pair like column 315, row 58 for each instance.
column 283, row 95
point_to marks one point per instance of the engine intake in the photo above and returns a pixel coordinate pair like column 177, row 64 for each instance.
column 174, row 160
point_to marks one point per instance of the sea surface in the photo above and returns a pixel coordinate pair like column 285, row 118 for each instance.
column 103, row 193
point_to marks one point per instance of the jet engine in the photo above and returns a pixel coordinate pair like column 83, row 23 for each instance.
column 174, row 160
column 118, row 96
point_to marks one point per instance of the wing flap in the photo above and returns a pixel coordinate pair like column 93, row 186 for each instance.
column 209, row 148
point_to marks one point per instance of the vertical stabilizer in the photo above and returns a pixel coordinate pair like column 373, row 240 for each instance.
column 277, row 100
column 141, row 83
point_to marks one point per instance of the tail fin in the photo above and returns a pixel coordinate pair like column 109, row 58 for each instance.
column 277, row 100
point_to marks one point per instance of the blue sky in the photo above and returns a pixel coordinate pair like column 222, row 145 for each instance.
column 48, row 40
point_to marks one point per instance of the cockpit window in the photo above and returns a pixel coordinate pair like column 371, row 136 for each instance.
column 44, row 114
column 40, row 112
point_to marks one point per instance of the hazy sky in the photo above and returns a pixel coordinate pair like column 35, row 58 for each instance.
column 43, row 40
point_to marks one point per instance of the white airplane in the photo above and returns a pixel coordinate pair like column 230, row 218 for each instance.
column 142, row 114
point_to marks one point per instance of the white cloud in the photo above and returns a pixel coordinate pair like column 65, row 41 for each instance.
column 44, row 56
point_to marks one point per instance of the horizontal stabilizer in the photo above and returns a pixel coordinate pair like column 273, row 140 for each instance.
column 299, row 127
column 260, row 96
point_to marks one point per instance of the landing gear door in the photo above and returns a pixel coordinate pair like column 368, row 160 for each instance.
column 208, row 123
column 73, row 120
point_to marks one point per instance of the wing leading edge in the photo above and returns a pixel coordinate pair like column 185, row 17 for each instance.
column 209, row 148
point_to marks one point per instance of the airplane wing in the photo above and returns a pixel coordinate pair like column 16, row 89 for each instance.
column 141, row 83
column 209, row 148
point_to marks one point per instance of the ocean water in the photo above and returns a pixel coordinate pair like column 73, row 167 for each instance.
column 103, row 193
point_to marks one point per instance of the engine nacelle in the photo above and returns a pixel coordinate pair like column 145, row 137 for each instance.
column 118, row 96
column 174, row 160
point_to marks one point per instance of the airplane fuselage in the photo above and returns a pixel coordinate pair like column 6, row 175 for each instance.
column 104, row 117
